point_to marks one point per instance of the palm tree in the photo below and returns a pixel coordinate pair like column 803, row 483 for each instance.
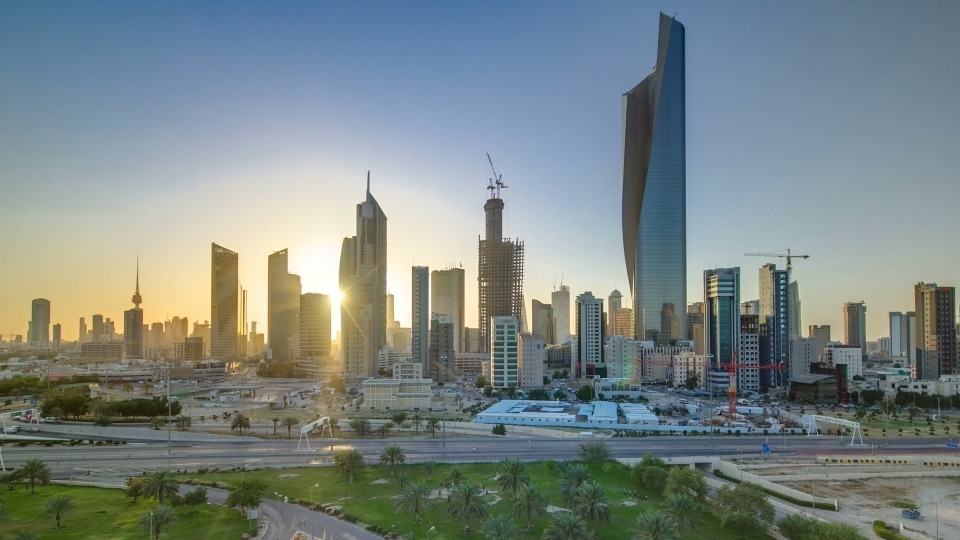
column 529, row 503
column 288, row 422
column 391, row 456
column 574, row 476
column 348, row 462
column 500, row 527
column 433, row 425
column 183, row 423
column 454, row 478
column 275, row 420
column 417, row 421
column 58, row 507
column 160, row 484
column 33, row 472
column 403, row 480
column 414, row 498
column 566, row 526
column 156, row 423
column 428, row 466
column 239, row 422
column 466, row 504
column 334, row 425
column 656, row 526
column 384, row 429
column 684, row 511
column 513, row 475
column 592, row 504
column 162, row 517
column 360, row 426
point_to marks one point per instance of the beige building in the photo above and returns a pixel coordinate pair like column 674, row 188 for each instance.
column 396, row 394
column 533, row 356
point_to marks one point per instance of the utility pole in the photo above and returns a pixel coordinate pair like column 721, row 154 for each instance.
column 169, row 413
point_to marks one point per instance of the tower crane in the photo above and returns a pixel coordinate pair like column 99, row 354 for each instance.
column 732, row 368
column 789, row 255
column 497, row 178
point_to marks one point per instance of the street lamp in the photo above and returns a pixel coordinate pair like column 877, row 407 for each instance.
column 151, row 525
column 278, row 502
column 312, row 500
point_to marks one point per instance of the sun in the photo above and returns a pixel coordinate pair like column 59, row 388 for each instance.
column 336, row 298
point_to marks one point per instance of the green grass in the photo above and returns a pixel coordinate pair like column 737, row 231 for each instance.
column 374, row 504
column 109, row 514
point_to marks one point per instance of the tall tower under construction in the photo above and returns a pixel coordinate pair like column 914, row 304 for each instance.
column 500, row 274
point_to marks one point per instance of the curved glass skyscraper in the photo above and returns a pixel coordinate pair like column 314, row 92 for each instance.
column 655, row 192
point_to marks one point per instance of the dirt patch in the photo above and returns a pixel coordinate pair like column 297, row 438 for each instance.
column 288, row 476
column 554, row 509
column 380, row 481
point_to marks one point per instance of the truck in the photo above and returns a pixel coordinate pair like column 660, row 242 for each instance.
column 720, row 411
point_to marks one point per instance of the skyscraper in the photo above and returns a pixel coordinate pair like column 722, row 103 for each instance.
column 542, row 316
column 654, row 192
column 39, row 321
column 314, row 322
column 504, row 354
column 283, row 309
column 225, row 330
column 774, row 324
column 794, row 293
column 560, row 303
column 500, row 271
column 83, row 330
column 97, row 328
column 420, row 317
column 822, row 333
column 442, row 357
column 721, row 299
column 591, row 333
column 363, row 282
column 133, row 324
column 447, row 298
column 855, row 325
column 936, row 331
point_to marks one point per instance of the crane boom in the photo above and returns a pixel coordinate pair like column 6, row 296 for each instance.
column 789, row 256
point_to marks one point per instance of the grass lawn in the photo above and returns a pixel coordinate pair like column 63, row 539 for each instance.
column 372, row 501
column 109, row 514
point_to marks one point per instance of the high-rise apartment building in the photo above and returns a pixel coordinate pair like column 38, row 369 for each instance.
column 504, row 353
column 420, row 317
column 447, row 297
column 533, row 356
column 442, row 356
column 936, row 331
column 654, row 192
column 283, row 309
column 225, row 329
column 591, row 334
column 133, row 324
column 363, row 281
column 542, row 316
column 822, row 333
column 748, row 355
column 97, row 328
column 774, row 325
column 40, row 321
column 500, row 271
column 855, row 324
column 83, row 331
column 614, row 302
column 901, row 333
column 560, row 303
column 721, row 300
column 314, row 327
column 622, row 323
column 793, row 292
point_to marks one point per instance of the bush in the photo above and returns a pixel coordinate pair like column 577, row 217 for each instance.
column 881, row 529
column 195, row 497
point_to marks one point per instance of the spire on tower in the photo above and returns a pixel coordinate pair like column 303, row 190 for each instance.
column 137, row 299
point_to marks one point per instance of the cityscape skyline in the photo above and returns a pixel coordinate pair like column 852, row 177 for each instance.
column 226, row 139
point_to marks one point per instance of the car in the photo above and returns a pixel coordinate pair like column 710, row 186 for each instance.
column 33, row 429
column 11, row 429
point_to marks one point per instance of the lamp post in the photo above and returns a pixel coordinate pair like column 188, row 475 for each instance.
column 278, row 503
column 312, row 500
column 151, row 525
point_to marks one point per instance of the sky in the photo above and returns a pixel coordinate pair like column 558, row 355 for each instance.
column 152, row 129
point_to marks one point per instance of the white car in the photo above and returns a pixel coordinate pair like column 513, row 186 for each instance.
column 11, row 429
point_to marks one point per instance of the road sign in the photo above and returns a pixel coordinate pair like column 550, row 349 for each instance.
column 765, row 449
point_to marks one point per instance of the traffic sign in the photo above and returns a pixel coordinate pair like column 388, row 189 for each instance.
column 765, row 449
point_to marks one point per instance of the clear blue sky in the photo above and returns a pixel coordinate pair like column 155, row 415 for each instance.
column 155, row 128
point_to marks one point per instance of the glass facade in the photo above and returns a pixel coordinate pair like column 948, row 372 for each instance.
column 721, row 288
column 654, row 192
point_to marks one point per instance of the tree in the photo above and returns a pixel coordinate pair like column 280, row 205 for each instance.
column 428, row 466
column 160, row 484
column 686, row 480
column 654, row 478
column 574, row 476
column 538, row 394
column 403, row 480
column 529, row 503
column 135, row 486
column 684, row 511
column 655, row 526
column 454, row 478
column 183, row 423
column 745, row 506
column 912, row 412
column 157, row 520
column 196, row 497
column 246, row 494
column 592, row 504
column 585, row 393
column 391, row 456
column 398, row 417
column 384, row 429
column 487, row 390
column 417, row 421
column 513, row 475
column 466, row 504
column 558, row 394
column 239, row 422
column 692, row 382
column 348, row 463
column 334, row 425
column 360, row 426
column 566, row 526
column 275, row 420
column 594, row 452
column 481, row 382
column 500, row 527
column 414, row 498
column 433, row 425
column 32, row 472
column 156, row 423
column 288, row 422
column 58, row 507
column 798, row 527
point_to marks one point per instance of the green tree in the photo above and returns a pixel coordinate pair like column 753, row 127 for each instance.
column 500, row 527
column 32, row 472
column 428, row 467
column 385, row 429
column 135, row 485
column 912, row 412
column 360, row 426
column 183, row 423
column 585, row 393
column 158, row 520
column 538, row 394
column 558, row 394
column 798, row 527
column 159, row 485
column 692, row 382
column 196, row 497
column 566, row 526
column 288, row 422
column 654, row 478
column 414, row 498
column 433, row 425
column 398, row 417
column 417, row 421
column 338, row 385
column 529, row 503
column 481, row 382
column 391, row 456
column 745, row 506
column 239, row 422
column 454, row 478
column 58, row 507
column 466, row 504
column 156, row 423
column 246, row 494
column 513, row 475
column 574, row 476
column 275, row 420
column 655, row 526
column 685, row 512
column 592, row 504
column 348, row 463
column 688, row 481
column 594, row 452
column 403, row 480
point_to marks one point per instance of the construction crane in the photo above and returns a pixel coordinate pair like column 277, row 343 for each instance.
column 497, row 178
column 732, row 368
column 789, row 255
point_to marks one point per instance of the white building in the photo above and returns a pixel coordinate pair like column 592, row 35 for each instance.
column 687, row 364
column 420, row 316
column 504, row 352
column 590, row 333
column 533, row 356
column 804, row 351
column 396, row 394
column 835, row 354
column 560, row 302
column 622, row 357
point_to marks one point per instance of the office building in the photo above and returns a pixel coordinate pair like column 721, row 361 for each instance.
column 774, row 325
column 542, row 316
column 614, row 302
column 133, row 324
column 283, row 309
column 721, row 291
column 315, row 327
column 533, row 356
column 793, row 293
column 500, row 270
column 748, row 356
column 363, row 281
column 57, row 336
column 420, row 317
column 83, row 331
column 225, row 329
column 39, row 321
column 654, row 192
column 97, row 330
column 591, row 334
column 622, row 323
column 901, row 333
column 447, row 290
column 442, row 355
column 504, row 353
column 855, row 324
column 822, row 333
column 621, row 356
column 936, row 332
column 560, row 304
